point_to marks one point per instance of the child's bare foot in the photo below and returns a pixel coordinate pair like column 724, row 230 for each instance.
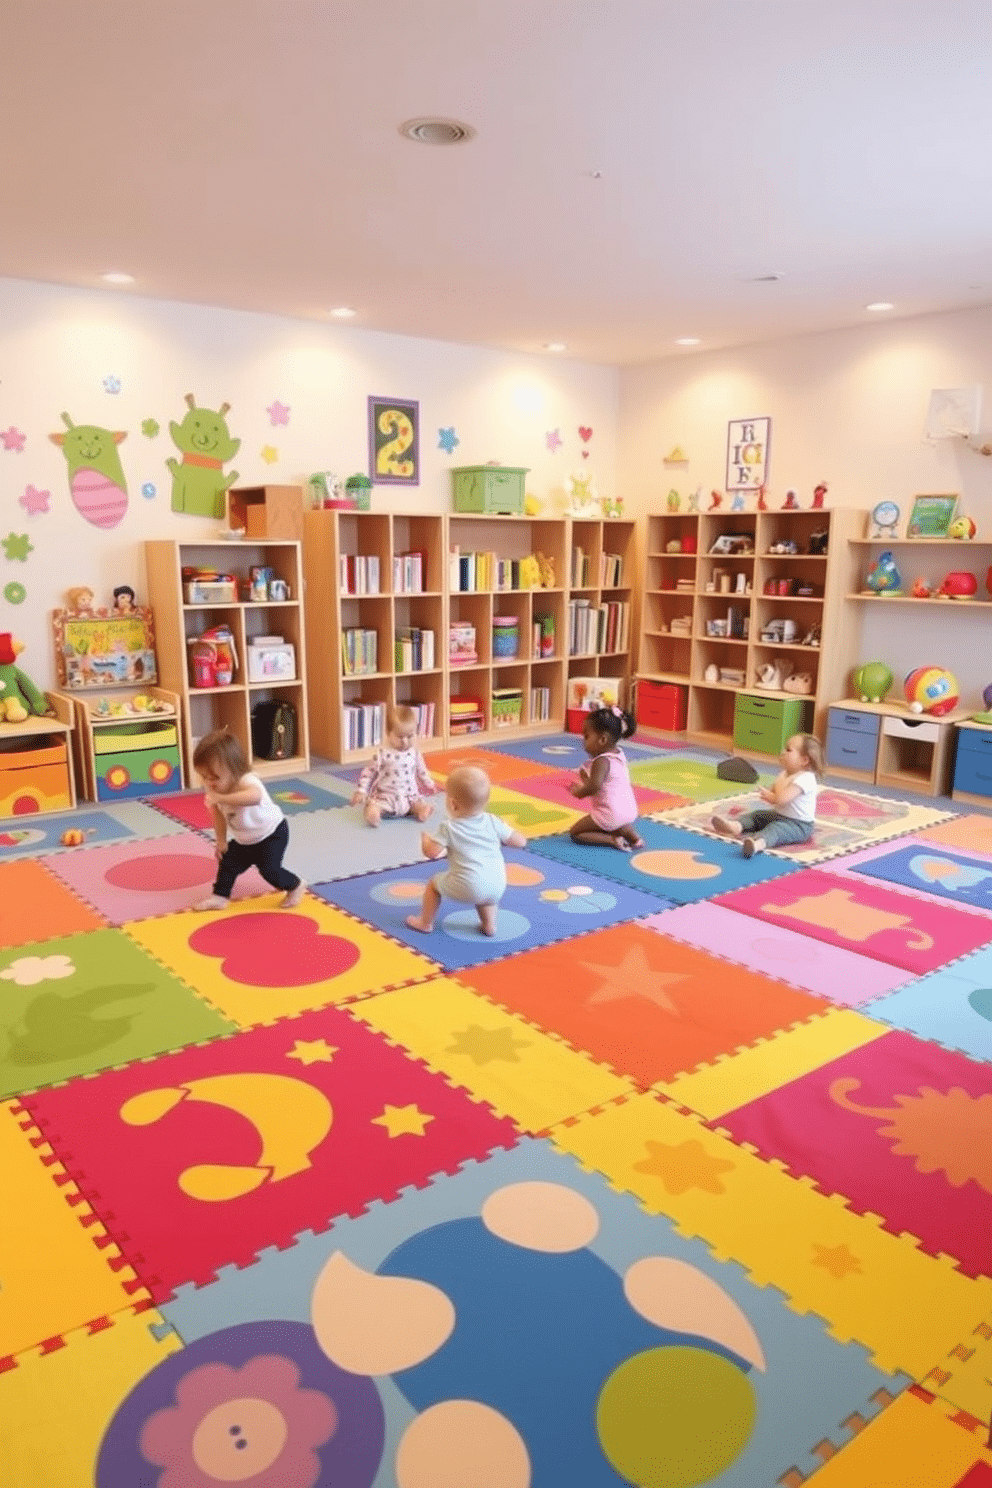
column 212, row 901
column 487, row 918
column 725, row 826
column 621, row 843
column 294, row 897
column 421, row 810
column 752, row 845
column 415, row 922
column 373, row 814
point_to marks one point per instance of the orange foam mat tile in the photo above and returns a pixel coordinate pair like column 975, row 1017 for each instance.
column 35, row 905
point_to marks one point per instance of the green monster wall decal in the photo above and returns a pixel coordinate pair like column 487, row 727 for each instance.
column 199, row 485
column 96, row 478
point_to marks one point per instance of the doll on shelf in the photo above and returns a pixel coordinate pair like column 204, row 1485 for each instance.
column 81, row 600
column 124, row 600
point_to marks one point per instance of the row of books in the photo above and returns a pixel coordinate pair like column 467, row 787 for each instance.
column 414, row 649
column 470, row 573
column 540, row 704
column 363, row 725
column 360, row 651
column 593, row 629
column 583, row 569
column 360, row 573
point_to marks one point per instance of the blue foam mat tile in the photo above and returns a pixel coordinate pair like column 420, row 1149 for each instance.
column 929, row 868
column 676, row 865
column 541, row 1325
column 544, row 902
column 34, row 836
column 952, row 1006
column 565, row 750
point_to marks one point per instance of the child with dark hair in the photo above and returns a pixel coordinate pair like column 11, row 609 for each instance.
column 606, row 783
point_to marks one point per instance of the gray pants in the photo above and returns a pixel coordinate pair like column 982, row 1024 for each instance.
column 776, row 830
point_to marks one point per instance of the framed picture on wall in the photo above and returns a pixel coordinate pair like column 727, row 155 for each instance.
column 747, row 453
column 394, row 442
column 93, row 650
column 931, row 516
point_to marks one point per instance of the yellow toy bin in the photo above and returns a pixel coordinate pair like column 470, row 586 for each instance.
column 36, row 779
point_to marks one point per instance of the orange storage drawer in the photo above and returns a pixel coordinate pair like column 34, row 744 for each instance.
column 35, row 780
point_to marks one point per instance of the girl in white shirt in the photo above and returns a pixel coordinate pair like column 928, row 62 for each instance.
column 791, row 813
column 250, row 827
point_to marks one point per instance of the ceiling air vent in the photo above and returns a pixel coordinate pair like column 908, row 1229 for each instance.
column 437, row 131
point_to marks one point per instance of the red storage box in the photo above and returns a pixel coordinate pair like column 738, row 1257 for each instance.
column 661, row 705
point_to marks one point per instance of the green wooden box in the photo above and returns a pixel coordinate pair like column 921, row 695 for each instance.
column 491, row 489
column 763, row 724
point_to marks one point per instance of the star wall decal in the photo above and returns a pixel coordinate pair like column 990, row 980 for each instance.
column 269, row 454
column 278, row 413
column 447, row 439
column 553, row 440
column 17, row 546
column 403, row 1121
column 13, row 439
column 112, row 384
column 34, row 501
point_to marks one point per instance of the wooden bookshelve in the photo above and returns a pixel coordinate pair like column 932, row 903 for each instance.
column 177, row 622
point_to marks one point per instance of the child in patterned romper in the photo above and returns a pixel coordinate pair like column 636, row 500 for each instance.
column 606, row 782
column 395, row 780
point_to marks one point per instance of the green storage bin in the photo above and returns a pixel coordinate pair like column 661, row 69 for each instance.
column 493, row 490
column 763, row 724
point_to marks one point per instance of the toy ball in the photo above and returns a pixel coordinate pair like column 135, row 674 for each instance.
column 959, row 585
column 74, row 837
column 931, row 689
column 884, row 576
column 872, row 681
column 962, row 527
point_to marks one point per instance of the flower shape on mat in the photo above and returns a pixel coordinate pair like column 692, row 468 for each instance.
column 28, row 971
column 252, row 1425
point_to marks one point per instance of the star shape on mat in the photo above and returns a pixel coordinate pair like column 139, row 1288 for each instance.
column 278, row 413
column 683, row 1167
column 13, row 439
column 634, row 977
column 312, row 1051
column 447, row 440
column 836, row 1259
column 269, row 454
column 17, row 546
column 553, row 439
column 484, row 1044
column 35, row 501
column 403, row 1121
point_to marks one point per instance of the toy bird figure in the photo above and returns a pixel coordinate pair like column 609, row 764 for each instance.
column 716, row 499
column 762, row 503
column 819, row 494
column 884, row 576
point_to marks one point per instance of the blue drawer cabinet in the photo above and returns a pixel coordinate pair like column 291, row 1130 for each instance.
column 852, row 740
column 858, row 723
column 973, row 766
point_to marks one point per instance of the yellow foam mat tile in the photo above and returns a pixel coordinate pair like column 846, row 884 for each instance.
column 964, row 1376
column 528, row 814
column 523, row 1073
column 734, row 1079
column 381, row 962
column 56, row 1407
column 867, row 1285
column 58, row 1269
column 911, row 1444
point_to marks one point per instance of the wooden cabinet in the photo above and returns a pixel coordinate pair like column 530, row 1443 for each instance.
column 123, row 752
column 179, row 622
column 734, row 599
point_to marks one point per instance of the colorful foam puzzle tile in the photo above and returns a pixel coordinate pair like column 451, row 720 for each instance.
column 845, row 821
column 567, row 750
column 58, row 1405
column 553, row 786
column 823, row 1257
column 311, row 792
column 911, row 1443
column 534, row 818
column 647, row 1006
column 132, row 880
column 900, row 1128
column 33, row 836
column 200, row 1159
column 79, row 1003
column 328, row 845
column 544, row 902
column 952, row 1007
column 694, row 778
column 841, row 976
column 255, row 962
column 555, row 1301
column 964, row 880
column 518, row 1070
column 58, row 1269
column 964, row 1376
column 914, row 933
column 677, row 865
column 35, row 905
column 498, row 766
column 971, row 832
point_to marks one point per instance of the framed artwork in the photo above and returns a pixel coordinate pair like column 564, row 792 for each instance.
column 394, row 442
column 104, row 650
column 747, row 453
column 931, row 516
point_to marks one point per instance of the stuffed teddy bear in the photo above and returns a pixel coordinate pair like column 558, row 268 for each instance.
column 18, row 694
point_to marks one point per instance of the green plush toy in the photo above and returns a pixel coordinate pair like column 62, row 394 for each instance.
column 18, row 694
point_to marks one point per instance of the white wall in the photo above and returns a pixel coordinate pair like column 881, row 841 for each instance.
column 58, row 345
column 848, row 408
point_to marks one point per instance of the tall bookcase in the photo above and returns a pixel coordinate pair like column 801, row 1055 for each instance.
column 177, row 622
column 603, row 545
column 334, row 539
column 683, row 602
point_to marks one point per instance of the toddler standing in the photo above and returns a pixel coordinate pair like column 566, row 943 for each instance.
column 476, row 872
column 606, row 783
column 242, row 809
column 791, row 813
column 396, row 779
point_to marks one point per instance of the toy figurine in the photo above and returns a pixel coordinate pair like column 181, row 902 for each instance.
column 18, row 694
column 737, row 505
column 695, row 498
column 921, row 589
column 674, row 501
column 931, row 689
column 872, row 681
column 962, row 528
column 791, row 501
column 124, row 600
column 762, row 503
column 958, row 585
column 81, row 601
column 884, row 576
column 819, row 495
column 716, row 499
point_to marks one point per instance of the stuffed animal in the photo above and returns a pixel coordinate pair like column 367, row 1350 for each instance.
column 530, row 572
column 18, row 694
column 547, row 571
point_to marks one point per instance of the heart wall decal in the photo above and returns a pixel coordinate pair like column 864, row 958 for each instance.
column 585, row 434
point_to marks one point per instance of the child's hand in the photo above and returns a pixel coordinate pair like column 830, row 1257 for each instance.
column 767, row 795
column 220, row 848
column 576, row 788
column 429, row 847
column 357, row 798
column 584, row 771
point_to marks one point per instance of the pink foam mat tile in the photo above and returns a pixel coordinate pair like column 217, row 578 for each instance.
column 136, row 880
column 843, row 977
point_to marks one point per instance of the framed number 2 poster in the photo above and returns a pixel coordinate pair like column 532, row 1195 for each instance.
column 394, row 442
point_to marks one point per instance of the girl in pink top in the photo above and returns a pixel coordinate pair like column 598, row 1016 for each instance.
column 606, row 782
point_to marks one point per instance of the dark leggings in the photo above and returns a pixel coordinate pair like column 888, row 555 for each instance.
column 267, row 857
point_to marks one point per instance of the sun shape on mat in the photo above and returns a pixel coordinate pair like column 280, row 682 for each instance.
column 674, row 863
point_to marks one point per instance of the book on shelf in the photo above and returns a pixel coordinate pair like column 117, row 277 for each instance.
column 471, row 573
column 466, row 715
column 359, row 651
column 413, row 650
column 425, row 718
column 542, row 637
column 593, row 629
column 359, row 573
column 363, row 725
column 540, row 704
column 610, row 571
column 461, row 644
column 580, row 567
column 409, row 572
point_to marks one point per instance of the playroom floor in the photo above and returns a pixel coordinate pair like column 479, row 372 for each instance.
column 684, row 1178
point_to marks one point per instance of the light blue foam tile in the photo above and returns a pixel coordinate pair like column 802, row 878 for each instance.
column 947, row 1007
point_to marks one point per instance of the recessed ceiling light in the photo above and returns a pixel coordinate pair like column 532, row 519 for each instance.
column 116, row 277
column 437, row 131
column 687, row 341
column 555, row 346
column 343, row 312
column 880, row 305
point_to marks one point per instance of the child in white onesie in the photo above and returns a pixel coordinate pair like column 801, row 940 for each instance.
column 395, row 780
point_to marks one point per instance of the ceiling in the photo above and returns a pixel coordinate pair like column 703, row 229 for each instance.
column 639, row 166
